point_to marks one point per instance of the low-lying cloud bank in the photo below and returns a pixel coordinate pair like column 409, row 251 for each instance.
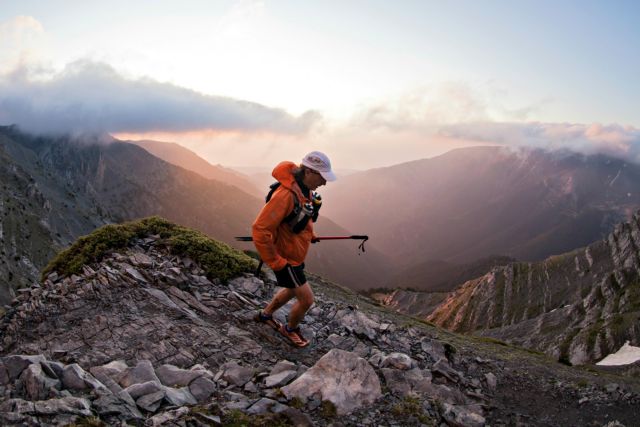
column 93, row 97
column 613, row 140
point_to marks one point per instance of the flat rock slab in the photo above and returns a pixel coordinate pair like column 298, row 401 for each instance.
column 342, row 377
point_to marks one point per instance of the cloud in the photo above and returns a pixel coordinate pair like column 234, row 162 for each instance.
column 423, row 109
column 613, row 139
column 22, row 39
column 93, row 97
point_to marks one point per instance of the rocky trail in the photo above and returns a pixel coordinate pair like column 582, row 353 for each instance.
column 145, row 338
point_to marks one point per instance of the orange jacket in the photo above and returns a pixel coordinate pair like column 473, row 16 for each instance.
column 274, row 240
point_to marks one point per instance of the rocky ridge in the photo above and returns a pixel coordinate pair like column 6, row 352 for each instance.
column 146, row 337
column 577, row 307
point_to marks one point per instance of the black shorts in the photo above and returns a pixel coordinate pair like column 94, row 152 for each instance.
column 291, row 277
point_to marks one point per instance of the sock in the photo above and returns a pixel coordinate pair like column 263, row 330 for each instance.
column 265, row 316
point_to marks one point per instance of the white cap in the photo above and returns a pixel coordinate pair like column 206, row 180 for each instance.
column 320, row 163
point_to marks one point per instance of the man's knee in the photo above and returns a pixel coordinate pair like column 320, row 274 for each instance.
column 305, row 297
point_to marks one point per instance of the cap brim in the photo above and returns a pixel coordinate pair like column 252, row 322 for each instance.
column 329, row 176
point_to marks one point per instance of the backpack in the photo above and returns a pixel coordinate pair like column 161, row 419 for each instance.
column 300, row 215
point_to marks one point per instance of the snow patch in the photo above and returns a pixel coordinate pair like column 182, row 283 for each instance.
column 626, row 355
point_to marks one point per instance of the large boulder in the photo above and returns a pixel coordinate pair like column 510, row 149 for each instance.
column 342, row 377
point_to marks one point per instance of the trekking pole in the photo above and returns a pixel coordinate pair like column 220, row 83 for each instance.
column 364, row 238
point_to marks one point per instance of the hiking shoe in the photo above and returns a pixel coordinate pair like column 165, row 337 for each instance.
column 267, row 319
column 294, row 336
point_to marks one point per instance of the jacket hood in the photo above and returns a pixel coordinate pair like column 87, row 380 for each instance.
column 283, row 173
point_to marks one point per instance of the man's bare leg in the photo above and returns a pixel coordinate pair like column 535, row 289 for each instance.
column 304, row 301
column 279, row 299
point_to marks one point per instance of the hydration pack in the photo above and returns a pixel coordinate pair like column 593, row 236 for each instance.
column 300, row 215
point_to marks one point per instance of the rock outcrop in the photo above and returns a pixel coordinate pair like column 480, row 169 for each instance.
column 148, row 336
column 577, row 307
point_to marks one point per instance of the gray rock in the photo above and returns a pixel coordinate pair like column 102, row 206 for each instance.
column 65, row 405
column 492, row 381
column 142, row 389
column 4, row 374
column 297, row 417
column 249, row 285
column 264, row 406
column 152, row 401
column 113, row 370
column 458, row 416
column 243, row 345
column 236, row 374
column 440, row 392
column 179, row 396
column 435, row 349
column 135, row 274
column 141, row 373
column 376, row 359
column 202, row 388
column 398, row 361
column 611, row 387
column 76, row 378
column 442, row 368
column 37, row 384
column 283, row 365
column 108, row 382
column 19, row 406
column 343, row 378
column 396, row 382
column 356, row 322
column 279, row 379
column 53, row 369
column 167, row 418
column 173, row 376
column 112, row 405
column 15, row 364
column 250, row 387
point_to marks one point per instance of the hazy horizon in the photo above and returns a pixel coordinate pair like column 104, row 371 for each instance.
column 253, row 82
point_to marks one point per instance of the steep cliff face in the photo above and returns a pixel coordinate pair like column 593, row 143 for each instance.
column 26, row 240
column 578, row 307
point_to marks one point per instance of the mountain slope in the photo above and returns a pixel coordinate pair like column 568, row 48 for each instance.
column 577, row 307
column 148, row 333
column 441, row 276
column 476, row 201
column 180, row 156
column 86, row 182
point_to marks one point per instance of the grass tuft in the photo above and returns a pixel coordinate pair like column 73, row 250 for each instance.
column 218, row 259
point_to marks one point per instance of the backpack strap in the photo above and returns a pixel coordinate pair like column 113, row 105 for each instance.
column 291, row 219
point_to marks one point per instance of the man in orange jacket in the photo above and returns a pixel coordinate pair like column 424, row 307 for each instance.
column 282, row 233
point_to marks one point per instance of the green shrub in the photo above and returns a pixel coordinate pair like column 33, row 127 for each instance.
column 328, row 409
column 218, row 259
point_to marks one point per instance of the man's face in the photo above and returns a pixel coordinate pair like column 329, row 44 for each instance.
column 313, row 179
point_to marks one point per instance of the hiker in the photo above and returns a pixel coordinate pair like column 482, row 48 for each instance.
column 282, row 233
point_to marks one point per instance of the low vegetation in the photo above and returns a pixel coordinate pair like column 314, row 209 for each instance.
column 218, row 259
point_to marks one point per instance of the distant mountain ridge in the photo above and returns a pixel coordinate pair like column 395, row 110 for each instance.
column 442, row 276
column 472, row 202
column 578, row 306
column 180, row 156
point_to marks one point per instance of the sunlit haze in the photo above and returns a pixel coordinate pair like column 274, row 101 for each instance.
column 372, row 83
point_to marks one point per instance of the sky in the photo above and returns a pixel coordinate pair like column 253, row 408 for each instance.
column 371, row 83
